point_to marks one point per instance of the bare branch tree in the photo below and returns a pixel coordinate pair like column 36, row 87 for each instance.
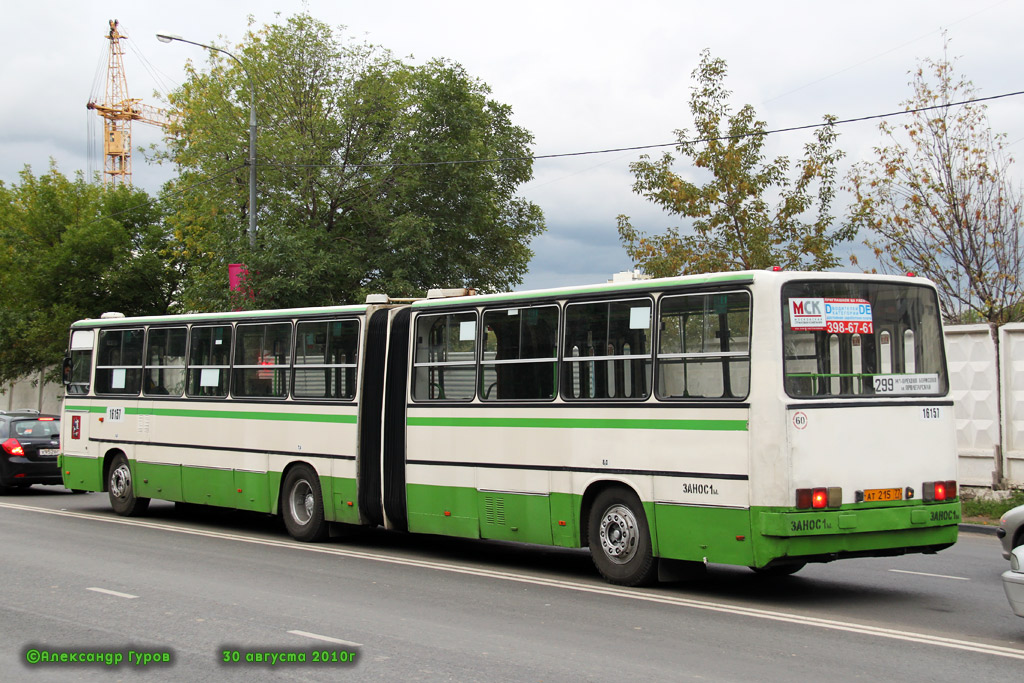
column 939, row 201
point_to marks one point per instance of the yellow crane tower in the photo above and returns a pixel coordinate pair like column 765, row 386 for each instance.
column 118, row 111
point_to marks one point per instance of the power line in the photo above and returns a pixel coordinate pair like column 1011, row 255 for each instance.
column 638, row 148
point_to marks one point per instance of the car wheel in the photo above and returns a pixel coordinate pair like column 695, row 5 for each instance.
column 620, row 539
column 302, row 505
column 121, row 491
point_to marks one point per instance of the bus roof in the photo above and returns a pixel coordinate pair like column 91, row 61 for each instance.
column 681, row 281
column 312, row 311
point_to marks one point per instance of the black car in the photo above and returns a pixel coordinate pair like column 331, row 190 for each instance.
column 29, row 445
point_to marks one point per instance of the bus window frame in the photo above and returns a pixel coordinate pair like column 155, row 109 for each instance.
column 566, row 361
column 97, row 367
column 286, row 368
column 146, row 366
column 415, row 364
column 354, row 366
column 189, row 366
column 553, row 360
column 660, row 358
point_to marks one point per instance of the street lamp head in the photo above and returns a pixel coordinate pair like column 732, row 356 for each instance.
column 167, row 37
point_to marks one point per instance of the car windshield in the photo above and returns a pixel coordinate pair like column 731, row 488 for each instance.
column 39, row 427
column 863, row 339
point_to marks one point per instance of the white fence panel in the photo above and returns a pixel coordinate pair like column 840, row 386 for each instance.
column 1011, row 348
column 971, row 357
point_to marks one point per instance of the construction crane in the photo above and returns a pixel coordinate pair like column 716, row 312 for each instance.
column 118, row 111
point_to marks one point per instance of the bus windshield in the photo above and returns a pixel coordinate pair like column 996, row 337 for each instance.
column 861, row 339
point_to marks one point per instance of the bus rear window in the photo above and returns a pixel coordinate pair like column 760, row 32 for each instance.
column 861, row 339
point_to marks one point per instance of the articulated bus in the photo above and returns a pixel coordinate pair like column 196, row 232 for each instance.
column 763, row 419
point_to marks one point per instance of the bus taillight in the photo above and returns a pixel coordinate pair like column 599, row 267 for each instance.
column 938, row 491
column 818, row 498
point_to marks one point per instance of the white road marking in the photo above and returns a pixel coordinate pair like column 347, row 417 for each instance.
column 328, row 639
column 627, row 593
column 114, row 593
column 937, row 576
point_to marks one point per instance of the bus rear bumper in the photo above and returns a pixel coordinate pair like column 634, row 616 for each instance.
column 825, row 535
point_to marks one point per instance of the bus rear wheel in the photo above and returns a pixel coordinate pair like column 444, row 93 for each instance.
column 121, row 491
column 620, row 539
column 302, row 505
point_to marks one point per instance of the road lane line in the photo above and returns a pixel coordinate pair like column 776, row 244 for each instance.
column 937, row 576
column 316, row 636
column 607, row 590
column 114, row 593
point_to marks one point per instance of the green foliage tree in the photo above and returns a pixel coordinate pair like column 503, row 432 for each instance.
column 362, row 180
column 750, row 214
column 70, row 249
column 939, row 201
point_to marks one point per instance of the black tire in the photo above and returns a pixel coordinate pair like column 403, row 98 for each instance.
column 779, row 570
column 121, row 491
column 620, row 538
column 302, row 505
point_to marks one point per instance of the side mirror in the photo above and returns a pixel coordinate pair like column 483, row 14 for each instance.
column 65, row 373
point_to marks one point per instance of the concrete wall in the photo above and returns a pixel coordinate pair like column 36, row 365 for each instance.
column 31, row 393
column 989, row 426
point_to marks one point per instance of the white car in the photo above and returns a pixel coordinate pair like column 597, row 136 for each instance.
column 1011, row 530
column 1013, row 581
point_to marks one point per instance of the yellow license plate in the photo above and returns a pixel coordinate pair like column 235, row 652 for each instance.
column 873, row 495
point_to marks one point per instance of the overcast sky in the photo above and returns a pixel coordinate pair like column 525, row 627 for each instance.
column 579, row 75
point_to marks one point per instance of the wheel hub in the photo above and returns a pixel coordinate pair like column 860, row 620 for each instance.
column 303, row 502
column 121, row 481
column 619, row 534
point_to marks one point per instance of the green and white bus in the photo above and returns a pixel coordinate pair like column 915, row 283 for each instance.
column 764, row 419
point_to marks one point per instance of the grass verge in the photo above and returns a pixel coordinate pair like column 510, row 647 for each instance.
column 989, row 510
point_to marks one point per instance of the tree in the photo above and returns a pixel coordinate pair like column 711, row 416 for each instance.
column 938, row 201
column 69, row 250
column 734, row 223
column 373, row 175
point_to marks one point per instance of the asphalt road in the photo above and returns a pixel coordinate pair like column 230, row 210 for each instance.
column 200, row 586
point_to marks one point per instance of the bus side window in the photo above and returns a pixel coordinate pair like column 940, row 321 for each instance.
column 165, row 361
column 520, row 352
column 704, row 346
column 609, row 345
column 209, row 361
column 444, row 362
column 119, row 364
column 262, row 357
column 81, row 362
column 325, row 359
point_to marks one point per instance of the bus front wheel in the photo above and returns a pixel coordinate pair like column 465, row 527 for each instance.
column 121, row 490
column 302, row 505
column 620, row 539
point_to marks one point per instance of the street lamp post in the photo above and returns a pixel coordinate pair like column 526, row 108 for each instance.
column 169, row 37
